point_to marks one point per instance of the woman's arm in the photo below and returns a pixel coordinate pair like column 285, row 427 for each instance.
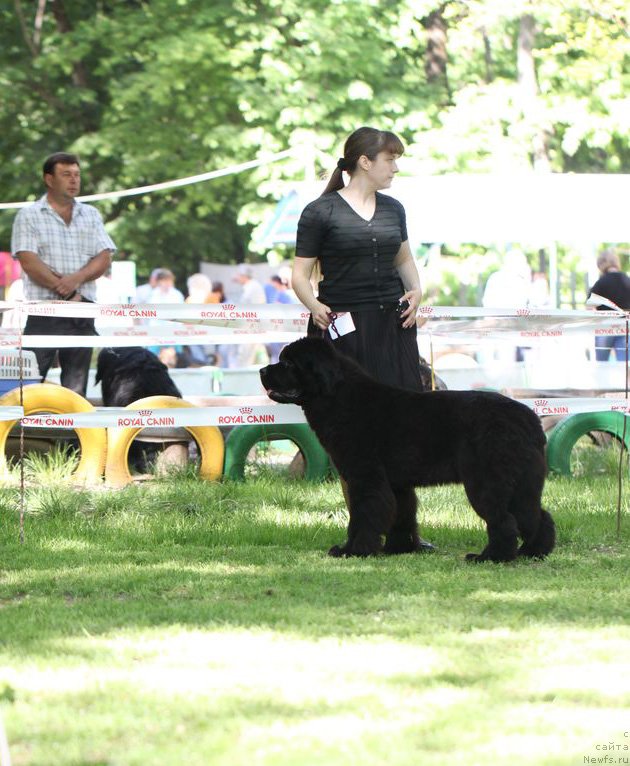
column 301, row 282
column 408, row 273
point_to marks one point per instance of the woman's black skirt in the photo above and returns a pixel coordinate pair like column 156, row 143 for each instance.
column 384, row 349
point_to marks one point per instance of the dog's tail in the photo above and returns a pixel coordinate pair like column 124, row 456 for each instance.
column 543, row 542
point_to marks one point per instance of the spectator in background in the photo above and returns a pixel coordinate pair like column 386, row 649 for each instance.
column 285, row 275
column 271, row 289
column 282, row 292
column 282, row 295
column 143, row 292
column 199, row 289
column 165, row 292
column 539, row 296
column 614, row 285
column 10, row 270
column 253, row 294
column 14, row 294
column 218, row 294
column 63, row 248
column 253, row 291
column 507, row 288
column 221, row 350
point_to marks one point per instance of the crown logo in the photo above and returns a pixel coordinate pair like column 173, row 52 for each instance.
column 245, row 410
column 523, row 312
column 426, row 309
column 229, row 306
column 144, row 413
column 541, row 402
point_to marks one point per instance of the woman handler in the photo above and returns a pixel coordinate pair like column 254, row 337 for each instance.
column 358, row 239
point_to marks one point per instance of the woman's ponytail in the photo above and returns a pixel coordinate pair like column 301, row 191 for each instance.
column 335, row 182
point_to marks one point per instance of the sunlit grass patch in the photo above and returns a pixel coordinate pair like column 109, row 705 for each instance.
column 181, row 621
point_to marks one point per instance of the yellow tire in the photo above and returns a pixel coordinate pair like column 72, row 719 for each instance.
column 57, row 400
column 209, row 440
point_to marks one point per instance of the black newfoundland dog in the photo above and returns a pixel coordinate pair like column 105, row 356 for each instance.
column 129, row 374
column 385, row 441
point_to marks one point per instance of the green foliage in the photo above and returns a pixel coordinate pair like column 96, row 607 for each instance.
column 147, row 92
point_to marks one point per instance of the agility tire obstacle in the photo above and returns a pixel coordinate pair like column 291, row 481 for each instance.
column 566, row 433
column 57, row 400
column 241, row 439
column 209, row 441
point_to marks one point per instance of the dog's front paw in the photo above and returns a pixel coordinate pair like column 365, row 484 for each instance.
column 355, row 548
column 337, row 551
column 474, row 558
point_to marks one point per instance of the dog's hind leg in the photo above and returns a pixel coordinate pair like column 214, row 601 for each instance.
column 403, row 535
column 535, row 525
column 372, row 509
column 490, row 501
column 543, row 542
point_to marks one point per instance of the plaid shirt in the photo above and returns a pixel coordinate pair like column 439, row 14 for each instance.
column 64, row 247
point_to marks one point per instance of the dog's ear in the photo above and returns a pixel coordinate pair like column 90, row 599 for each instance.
column 318, row 365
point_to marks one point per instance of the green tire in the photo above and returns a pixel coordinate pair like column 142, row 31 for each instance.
column 241, row 439
column 565, row 435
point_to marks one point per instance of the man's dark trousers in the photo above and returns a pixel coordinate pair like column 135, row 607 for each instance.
column 74, row 362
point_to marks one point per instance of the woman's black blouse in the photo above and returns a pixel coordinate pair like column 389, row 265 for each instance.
column 356, row 256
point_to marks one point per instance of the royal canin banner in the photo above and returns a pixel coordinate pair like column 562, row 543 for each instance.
column 120, row 417
column 145, row 336
column 281, row 323
column 11, row 413
column 113, row 417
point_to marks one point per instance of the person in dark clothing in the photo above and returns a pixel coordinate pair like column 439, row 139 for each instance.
column 614, row 285
column 357, row 238
column 370, row 288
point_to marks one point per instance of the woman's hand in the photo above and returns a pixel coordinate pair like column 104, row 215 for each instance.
column 408, row 317
column 321, row 315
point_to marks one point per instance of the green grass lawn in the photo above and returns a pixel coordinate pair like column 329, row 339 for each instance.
column 181, row 622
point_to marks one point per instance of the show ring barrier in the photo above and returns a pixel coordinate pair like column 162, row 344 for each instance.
column 57, row 400
column 209, row 441
column 228, row 323
column 242, row 438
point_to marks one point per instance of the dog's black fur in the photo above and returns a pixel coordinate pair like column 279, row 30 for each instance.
column 385, row 441
column 129, row 374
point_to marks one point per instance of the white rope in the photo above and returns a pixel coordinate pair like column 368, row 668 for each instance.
column 172, row 184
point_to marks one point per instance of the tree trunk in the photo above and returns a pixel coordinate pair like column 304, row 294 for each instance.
column 528, row 86
column 436, row 58
column 79, row 72
column 487, row 56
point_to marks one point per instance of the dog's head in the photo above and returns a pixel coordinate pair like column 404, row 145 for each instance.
column 308, row 369
column 106, row 364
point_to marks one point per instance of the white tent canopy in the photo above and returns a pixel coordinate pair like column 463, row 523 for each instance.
column 533, row 209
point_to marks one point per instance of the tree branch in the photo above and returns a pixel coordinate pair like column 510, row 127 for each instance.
column 19, row 12
column 39, row 20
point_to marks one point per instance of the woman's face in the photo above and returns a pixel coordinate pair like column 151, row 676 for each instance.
column 382, row 169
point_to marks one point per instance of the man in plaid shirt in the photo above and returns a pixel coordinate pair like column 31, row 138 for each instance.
column 63, row 248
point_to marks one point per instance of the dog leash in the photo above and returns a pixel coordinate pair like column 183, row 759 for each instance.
column 333, row 315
